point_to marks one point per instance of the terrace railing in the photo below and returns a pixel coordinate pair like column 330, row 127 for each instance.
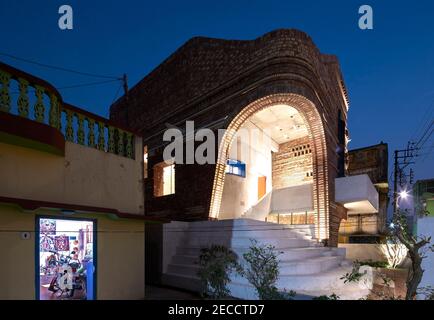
column 30, row 97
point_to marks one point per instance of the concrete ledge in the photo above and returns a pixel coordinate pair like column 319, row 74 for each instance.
column 357, row 194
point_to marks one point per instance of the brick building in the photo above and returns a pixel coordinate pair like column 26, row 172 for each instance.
column 279, row 82
column 368, row 226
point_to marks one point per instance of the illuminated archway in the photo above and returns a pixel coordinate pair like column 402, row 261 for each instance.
column 314, row 123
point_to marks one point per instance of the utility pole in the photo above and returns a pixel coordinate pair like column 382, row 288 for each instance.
column 125, row 84
column 402, row 157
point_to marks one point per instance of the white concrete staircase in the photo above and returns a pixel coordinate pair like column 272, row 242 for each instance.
column 305, row 265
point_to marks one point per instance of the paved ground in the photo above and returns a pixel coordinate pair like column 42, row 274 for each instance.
column 164, row 293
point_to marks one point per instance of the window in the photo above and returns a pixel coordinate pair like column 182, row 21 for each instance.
column 164, row 179
column 169, row 180
column 236, row 167
column 145, row 162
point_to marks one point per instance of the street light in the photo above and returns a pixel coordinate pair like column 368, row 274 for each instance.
column 403, row 194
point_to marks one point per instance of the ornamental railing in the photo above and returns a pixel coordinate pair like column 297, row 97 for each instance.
column 27, row 96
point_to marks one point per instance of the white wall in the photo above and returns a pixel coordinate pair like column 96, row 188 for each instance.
column 372, row 251
column 293, row 199
column 173, row 235
column 425, row 227
column 284, row 200
column 357, row 194
column 239, row 193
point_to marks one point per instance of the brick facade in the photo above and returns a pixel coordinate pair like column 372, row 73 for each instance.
column 294, row 159
column 212, row 81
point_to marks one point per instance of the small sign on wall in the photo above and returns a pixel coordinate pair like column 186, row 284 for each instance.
column 25, row 235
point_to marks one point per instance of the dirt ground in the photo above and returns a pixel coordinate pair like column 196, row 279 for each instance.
column 395, row 289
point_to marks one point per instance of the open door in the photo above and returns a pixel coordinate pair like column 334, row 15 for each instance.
column 262, row 186
column 65, row 258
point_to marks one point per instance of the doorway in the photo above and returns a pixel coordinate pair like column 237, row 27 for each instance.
column 262, row 186
column 65, row 258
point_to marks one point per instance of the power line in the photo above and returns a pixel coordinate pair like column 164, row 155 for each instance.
column 422, row 139
column 116, row 94
column 59, row 68
column 427, row 115
column 426, row 154
column 87, row 84
column 80, row 85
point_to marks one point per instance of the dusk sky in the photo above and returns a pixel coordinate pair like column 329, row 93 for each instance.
column 389, row 71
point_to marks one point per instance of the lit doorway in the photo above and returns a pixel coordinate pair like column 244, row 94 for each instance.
column 262, row 186
column 65, row 258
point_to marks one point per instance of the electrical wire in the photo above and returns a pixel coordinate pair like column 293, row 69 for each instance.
column 422, row 139
column 89, row 84
column 74, row 86
column 117, row 92
column 427, row 115
column 59, row 68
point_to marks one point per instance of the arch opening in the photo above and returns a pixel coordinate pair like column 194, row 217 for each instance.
column 272, row 165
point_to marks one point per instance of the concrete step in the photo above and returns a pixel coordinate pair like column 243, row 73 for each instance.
column 181, row 281
column 282, row 242
column 312, row 285
column 309, row 265
column 190, row 255
column 306, row 266
column 183, row 269
column 289, row 253
column 305, row 253
column 187, row 265
column 254, row 234
column 185, row 259
column 278, row 243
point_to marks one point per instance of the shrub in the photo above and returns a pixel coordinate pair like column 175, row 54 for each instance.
column 374, row 264
column 217, row 263
column 262, row 271
column 333, row 296
column 355, row 275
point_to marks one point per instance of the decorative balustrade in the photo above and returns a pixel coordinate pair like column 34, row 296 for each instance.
column 38, row 100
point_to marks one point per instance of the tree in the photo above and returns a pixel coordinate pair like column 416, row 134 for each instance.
column 416, row 247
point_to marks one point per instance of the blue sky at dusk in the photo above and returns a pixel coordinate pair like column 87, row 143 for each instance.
column 389, row 71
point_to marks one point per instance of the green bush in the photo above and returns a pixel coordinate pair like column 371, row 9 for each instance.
column 262, row 271
column 333, row 296
column 374, row 264
column 216, row 265
column 355, row 275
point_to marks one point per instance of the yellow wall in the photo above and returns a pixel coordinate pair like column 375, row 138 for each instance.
column 120, row 256
column 121, row 259
column 17, row 262
column 85, row 176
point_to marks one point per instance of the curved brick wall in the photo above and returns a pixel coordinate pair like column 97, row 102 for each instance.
column 208, row 80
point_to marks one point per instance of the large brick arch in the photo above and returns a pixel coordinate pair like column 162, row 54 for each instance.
column 314, row 123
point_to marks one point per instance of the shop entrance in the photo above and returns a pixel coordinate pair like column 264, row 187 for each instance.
column 65, row 258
